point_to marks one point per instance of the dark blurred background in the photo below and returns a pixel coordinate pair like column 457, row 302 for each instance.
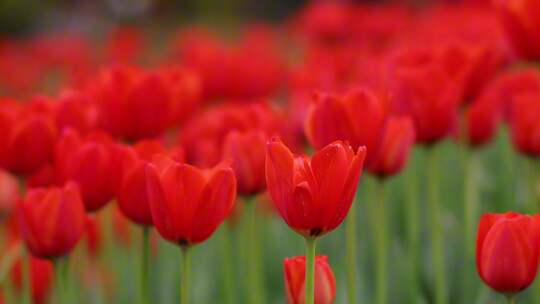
column 28, row 16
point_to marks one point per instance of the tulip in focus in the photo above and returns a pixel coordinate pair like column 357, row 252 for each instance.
column 507, row 251
column 295, row 272
column 52, row 220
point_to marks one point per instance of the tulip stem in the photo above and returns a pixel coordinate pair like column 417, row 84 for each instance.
column 9, row 259
column 26, row 275
column 510, row 299
column 186, row 269
column 60, row 277
column 470, row 208
column 380, row 232
column 350, row 233
column 227, row 265
column 434, row 206
column 145, row 295
column 252, row 238
column 310, row 270
column 412, row 229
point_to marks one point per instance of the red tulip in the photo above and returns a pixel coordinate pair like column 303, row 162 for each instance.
column 360, row 118
column 90, row 162
column 295, row 275
column 132, row 194
column 187, row 203
column 424, row 87
column 41, row 278
column 507, row 251
column 521, row 19
column 124, row 45
column 247, row 150
column 395, row 144
column 481, row 120
column 134, row 104
column 75, row 110
column 93, row 235
column 313, row 195
column 27, row 138
column 52, row 220
column 525, row 124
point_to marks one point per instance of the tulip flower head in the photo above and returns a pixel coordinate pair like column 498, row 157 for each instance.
column 295, row 274
column 313, row 195
column 52, row 220
column 507, row 251
column 188, row 203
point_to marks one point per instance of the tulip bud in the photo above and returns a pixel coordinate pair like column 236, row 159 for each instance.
column 295, row 276
column 507, row 251
column 52, row 220
column 247, row 151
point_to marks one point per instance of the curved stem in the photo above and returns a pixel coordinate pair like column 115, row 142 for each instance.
column 350, row 234
column 380, row 230
column 145, row 295
column 437, row 249
column 310, row 270
column 186, row 269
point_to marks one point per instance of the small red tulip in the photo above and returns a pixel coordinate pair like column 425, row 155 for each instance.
column 52, row 220
column 521, row 19
column 481, row 121
column 41, row 278
column 90, row 162
column 187, row 203
column 313, row 195
column 295, row 280
column 27, row 139
column 395, row 144
column 247, row 151
column 507, row 251
column 525, row 124
column 132, row 194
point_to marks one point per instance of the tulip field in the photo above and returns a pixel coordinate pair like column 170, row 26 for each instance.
column 381, row 153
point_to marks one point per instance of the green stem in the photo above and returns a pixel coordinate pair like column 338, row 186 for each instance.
column 145, row 263
column 412, row 230
column 380, row 230
column 437, row 249
column 510, row 299
column 470, row 210
column 530, row 165
column 9, row 259
column 252, row 238
column 27, row 281
column 227, row 266
column 350, row 234
column 310, row 270
column 186, row 269
column 61, row 266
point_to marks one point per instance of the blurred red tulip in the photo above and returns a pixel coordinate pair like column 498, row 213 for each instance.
column 90, row 162
column 124, row 45
column 187, row 203
column 134, row 104
column 247, row 151
column 75, row 110
column 521, row 19
column 295, row 276
column 395, row 144
column 44, row 177
column 481, row 121
column 133, row 193
column 361, row 118
column 425, row 87
column 27, row 139
column 9, row 193
column 52, row 220
column 203, row 136
column 93, row 235
column 41, row 278
column 507, row 251
column 326, row 21
column 525, row 124
column 313, row 195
